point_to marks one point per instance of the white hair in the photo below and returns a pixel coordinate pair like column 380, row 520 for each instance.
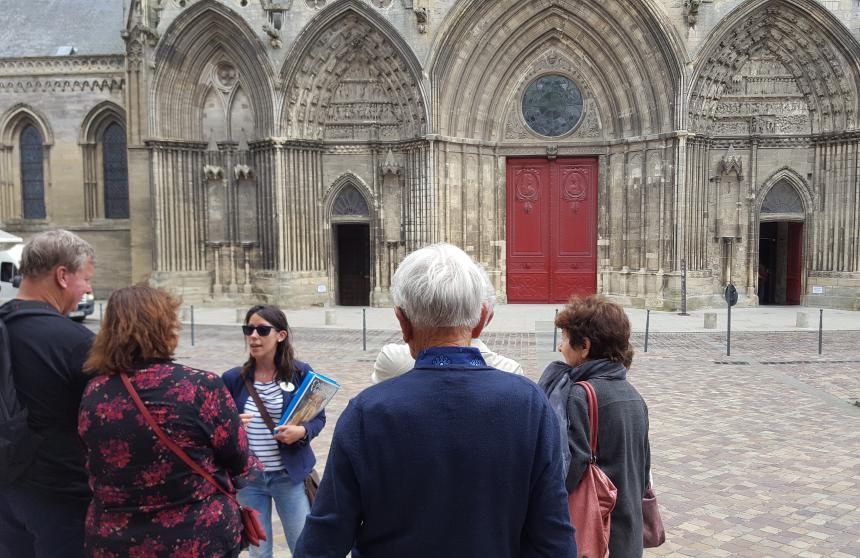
column 489, row 291
column 439, row 286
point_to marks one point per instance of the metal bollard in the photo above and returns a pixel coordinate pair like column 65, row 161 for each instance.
column 729, row 332
column 192, row 325
column 647, row 326
column 683, row 311
column 820, row 328
column 555, row 333
column 364, row 329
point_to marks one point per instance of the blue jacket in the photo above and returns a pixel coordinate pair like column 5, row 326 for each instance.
column 452, row 459
column 298, row 458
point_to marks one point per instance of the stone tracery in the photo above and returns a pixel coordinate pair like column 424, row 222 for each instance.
column 227, row 47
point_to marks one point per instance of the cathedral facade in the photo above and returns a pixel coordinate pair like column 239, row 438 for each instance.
column 296, row 150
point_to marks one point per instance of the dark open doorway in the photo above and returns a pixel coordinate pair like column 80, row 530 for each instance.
column 353, row 264
column 780, row 271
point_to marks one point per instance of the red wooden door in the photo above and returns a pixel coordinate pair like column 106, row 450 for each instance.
column 794, row 269
column 551, row 229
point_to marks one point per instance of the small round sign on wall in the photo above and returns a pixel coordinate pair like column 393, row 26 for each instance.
column 731, row 294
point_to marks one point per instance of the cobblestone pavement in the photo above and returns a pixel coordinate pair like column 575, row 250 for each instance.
column 757, row 454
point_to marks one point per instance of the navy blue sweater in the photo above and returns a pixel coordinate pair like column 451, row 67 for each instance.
column 452, row 459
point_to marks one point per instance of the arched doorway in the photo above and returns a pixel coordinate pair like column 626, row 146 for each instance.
column 350, row 219
column 780, row 262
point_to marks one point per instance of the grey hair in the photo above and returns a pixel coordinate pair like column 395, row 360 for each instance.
column 49, row 249
column 489, row 291
column 439, row 286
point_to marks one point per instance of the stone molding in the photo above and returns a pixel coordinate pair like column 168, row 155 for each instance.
column 67, row 65
column 61, row 85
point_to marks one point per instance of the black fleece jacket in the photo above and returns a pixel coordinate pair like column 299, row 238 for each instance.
column 623, row 451
column 48, row 351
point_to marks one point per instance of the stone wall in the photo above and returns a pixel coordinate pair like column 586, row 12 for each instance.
column 69, row 101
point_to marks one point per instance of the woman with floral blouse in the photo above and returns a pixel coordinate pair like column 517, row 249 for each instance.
column 146, row 501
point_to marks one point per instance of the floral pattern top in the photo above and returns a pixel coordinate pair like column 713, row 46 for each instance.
column 146, row 502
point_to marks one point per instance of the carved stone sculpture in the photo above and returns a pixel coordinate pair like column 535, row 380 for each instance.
column 692, row 14
column 243, row 172
column 274, row 36
column 213, row 172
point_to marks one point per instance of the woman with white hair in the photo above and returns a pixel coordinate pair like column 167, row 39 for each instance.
column 453, row 458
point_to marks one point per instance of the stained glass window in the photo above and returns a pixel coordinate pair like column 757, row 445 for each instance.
column 32, row 173
column 552, row 105
column 115, row 160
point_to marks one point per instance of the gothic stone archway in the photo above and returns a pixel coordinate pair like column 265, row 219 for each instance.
column 350, row 221
column 780, row 254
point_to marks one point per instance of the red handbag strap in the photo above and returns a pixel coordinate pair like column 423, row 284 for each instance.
column 168, row 442
column 592, row 416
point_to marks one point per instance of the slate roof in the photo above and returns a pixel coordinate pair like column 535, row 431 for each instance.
column 40, row 27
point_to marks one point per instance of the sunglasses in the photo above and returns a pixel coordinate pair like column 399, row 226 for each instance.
column 262, row 330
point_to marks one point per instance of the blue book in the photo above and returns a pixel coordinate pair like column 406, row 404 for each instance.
column 311, row 398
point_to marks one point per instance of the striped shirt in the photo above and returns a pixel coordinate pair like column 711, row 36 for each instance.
column 260, row 439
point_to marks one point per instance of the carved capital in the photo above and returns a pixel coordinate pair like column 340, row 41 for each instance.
column 213, row 172
column 243, row 172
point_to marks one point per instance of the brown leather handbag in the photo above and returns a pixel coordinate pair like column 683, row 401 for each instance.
column 312, row 484
column 592, row 501
column 252, row 529
column 653, row 534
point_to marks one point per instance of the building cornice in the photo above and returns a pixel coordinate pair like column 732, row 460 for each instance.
column 112, row 65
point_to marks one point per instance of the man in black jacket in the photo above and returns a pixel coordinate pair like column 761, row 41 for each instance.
column 42, row 512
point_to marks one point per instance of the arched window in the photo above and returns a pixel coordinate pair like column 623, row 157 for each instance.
column 350, row 203
column 32, row 173
column 781, row 199
column 115, row 161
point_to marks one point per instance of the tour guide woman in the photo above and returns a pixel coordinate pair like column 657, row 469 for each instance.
column 273, row 372
column 596, row 347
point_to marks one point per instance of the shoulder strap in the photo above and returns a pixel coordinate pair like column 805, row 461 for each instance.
column 168, row 442
column 592, row 416
column 261, row 407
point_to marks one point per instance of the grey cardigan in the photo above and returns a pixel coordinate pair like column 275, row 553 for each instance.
column 623, row 450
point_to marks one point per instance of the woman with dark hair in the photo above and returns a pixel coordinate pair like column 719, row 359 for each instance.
column 595, row 343
column 270, row 378
column 146, row 501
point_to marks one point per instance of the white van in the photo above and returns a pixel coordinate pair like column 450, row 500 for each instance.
column 10, row 259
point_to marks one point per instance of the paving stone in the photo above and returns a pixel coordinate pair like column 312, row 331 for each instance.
column 752, row 455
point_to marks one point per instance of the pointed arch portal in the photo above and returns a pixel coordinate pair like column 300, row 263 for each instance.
column 780, row 263
column 350, row 218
